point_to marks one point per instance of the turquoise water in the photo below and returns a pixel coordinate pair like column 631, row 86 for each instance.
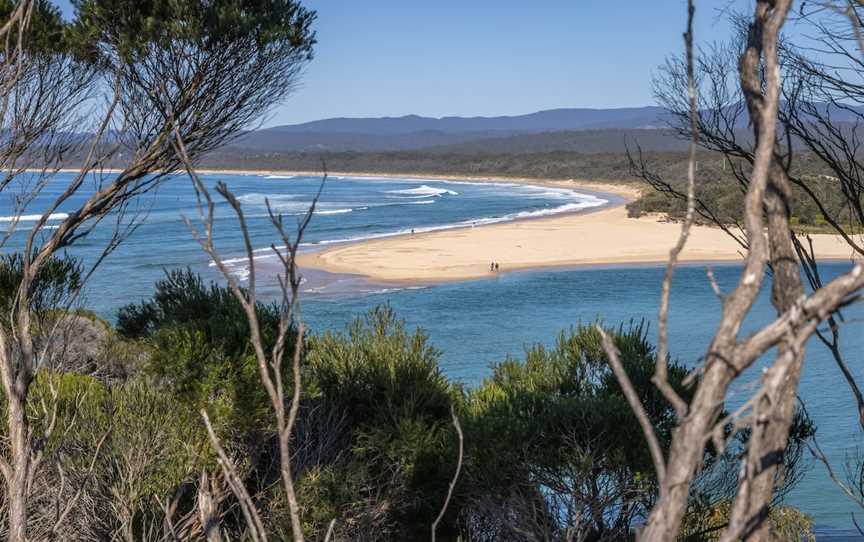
column 480, row 322
column 474, row 323
column 349, row 209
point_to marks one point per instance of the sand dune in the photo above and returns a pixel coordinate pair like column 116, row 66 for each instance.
column 606, row 236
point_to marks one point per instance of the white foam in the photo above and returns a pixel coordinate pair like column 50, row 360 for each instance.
column 285, row 203
column 280, row 177
column 409, row 202
column 239, row 267
column 255, row 198
column 424, row 191
column 33, row 218
column 566, row 208
column 399, row 289
column 339, row 211
column 315, row 290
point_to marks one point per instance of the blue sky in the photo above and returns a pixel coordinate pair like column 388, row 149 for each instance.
column 488, row 57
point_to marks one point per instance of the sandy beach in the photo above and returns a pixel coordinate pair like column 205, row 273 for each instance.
column 594, row 237
column 605, row 236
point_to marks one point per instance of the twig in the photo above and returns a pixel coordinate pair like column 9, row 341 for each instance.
column 635, row 404
column 661, row 366
column 250, row 513
column 270, row 368
column 330, row 530
column 455, row 475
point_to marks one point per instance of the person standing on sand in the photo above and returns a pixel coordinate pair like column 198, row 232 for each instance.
column 492, row 266
column 496, row 267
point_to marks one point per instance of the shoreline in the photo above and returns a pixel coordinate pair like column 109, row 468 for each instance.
column 623, row 189
column 593, row 237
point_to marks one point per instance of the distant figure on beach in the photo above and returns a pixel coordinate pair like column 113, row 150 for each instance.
column 496, row 266
column 412, row 231
column 492, row 266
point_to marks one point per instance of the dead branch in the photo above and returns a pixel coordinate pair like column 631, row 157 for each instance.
column 455, row 474
column 687, row 448
column 270, row 367
column 661, row 367
column 635, row 404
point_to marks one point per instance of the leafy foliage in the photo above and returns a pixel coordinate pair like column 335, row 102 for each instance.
column 556, row 437
column 55, row 283
column 126, row 447
column 200, row 349
column 132, row 26
column 46, row 32
column 396, row 403
column 182, row 299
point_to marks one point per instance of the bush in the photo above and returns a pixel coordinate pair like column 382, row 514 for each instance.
column 551, row 441
column 787, row 524
column 125, row 447
column 393, row 476
column 200, row 349
column 54, row 286
column 182, row 299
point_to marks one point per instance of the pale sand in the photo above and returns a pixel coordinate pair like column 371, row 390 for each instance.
column 606, row 236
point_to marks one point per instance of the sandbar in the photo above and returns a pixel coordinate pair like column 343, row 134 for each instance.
column 601, row 237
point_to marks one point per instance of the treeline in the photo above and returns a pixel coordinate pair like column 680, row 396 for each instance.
column 719, row 192
column 717, row 186
column 554, row 165
column 549, row 449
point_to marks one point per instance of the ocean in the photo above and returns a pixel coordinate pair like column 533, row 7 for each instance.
column 350, row 209
column 474, row 323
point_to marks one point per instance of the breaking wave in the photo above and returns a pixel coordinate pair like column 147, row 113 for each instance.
column 424, row 191
column 33, row 218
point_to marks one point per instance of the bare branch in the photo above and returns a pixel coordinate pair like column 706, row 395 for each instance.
column 635, row 404
column 455, row 474
column 661, row 367
column 270, row 368
column 247, row 506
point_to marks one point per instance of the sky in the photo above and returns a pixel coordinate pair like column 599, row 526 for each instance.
column 488, row 57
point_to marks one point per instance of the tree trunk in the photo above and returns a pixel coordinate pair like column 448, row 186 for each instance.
column 777, row 410
column 16, row 484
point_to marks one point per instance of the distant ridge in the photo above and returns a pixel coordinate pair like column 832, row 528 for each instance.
column 412, row 132
column 570, row 129
column 542, row 121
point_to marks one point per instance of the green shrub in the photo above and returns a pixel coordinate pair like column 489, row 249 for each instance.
column 200, row 349
column 396, row 402
column 182, row 299
column 55, row 284
column 552, row 442
column 126, row 447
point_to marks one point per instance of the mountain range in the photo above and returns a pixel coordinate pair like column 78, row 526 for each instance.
column 413, row 132
column 578, row 130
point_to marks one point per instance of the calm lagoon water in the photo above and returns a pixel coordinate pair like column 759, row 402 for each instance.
column 481, row 322
column 477, row 323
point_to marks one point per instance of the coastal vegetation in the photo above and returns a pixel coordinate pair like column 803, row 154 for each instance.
column 548, row 438
column 717, row 186
column 210, row 413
